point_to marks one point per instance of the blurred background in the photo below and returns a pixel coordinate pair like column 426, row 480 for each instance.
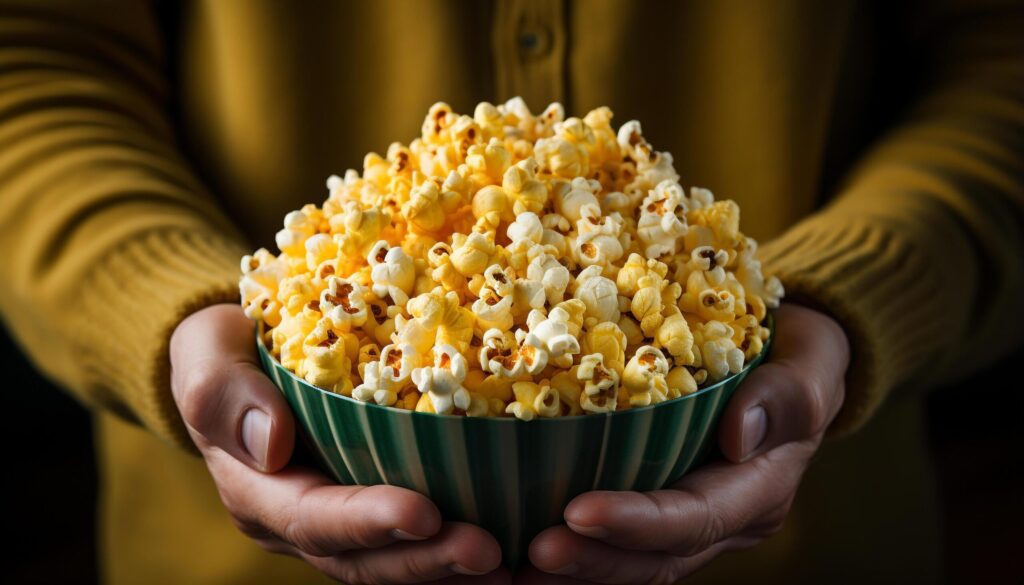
column 977, row 449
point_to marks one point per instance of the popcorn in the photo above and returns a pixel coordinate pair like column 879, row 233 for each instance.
column 716, row 303
column 392, row 272
column 533, row 400
column 542, row 248
column 680, row 382
column 652, row 297
column 491, row 160
column 644, row 377
column 343, row 302
column 748, row 335
column 383, row 379
column 502, row 355
column 367, row 353
column 576, row 311
column 601, row 391
column 492, row 206
column 651, row 168
column 436, row 319
column 597, row 241
column 258, row 286
column 566, row 155
column 599, row 295
column 572, row 198
column 428, row 208
column 297, row 228
column 716, row 352
column 472, row 254
column 397, row 362
column 549, row 334
column 442, row 382
column 526, row 193
column 442, row 271
column 320, row 248
column 675, row 337
column 662, row 220
column 749, row 275
column 327, row 363
column 373, row 389
column 553, row 277
column 492, row 310
column 566, row 384
column 380, row 323
column 289, row 335
column 608, row 341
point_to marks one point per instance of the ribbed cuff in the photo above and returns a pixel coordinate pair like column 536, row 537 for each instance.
column 130, row 306
column 877, row 286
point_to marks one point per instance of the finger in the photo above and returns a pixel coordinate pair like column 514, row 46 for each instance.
column 571, row 557
column 458, row 548
column 224, row 398
column 303, row 508
column 793, row 396
column 706, row 507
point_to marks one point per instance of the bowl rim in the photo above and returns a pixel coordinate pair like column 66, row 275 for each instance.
column 769, row 322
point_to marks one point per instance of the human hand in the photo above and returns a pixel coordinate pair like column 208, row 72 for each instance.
column 769, row 432
column 244, row 429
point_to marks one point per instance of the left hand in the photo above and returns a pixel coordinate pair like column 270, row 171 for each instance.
column 769, row 432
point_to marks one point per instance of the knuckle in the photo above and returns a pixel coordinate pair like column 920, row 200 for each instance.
column 253, row 530
column 813, row 408
column 201, row 393
column 709, row 524
column 712, row 529
column 817, row 412
column 666, row 508
column 297, row 530
column 233, row 505
column 359, row 533
column 417, row 568
column 355, row 571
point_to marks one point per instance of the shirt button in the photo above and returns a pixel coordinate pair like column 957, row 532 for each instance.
column 534, row 42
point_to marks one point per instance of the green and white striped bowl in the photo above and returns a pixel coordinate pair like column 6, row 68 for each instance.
column 511, row 477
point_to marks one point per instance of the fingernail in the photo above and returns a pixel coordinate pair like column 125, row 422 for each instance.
column 755, row 427
column 256, row 435
column 400, row 534
column 569, row 569
column 464, row 571
column 591, row 531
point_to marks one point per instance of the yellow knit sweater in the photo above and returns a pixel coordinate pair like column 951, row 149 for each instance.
column 878, row 156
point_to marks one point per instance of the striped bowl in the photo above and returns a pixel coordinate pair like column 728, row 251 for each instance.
column 513, row 478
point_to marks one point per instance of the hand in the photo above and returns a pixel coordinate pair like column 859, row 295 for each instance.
column 244, row 429
column 770, row 430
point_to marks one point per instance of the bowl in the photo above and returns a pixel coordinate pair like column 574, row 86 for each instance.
column 512, row 477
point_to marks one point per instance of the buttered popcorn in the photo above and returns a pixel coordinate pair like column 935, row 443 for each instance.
column 512, row 264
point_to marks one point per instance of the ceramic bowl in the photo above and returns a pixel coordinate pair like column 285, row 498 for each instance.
column 512, row 477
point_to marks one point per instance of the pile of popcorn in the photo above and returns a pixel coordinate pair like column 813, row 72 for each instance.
column 512, row 264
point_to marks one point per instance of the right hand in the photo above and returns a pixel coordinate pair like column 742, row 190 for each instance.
column 244, row 429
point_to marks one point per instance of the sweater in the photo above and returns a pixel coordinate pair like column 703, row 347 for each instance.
column 877, row 154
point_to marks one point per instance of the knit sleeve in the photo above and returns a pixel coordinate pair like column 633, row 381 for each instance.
column 919, row 255
column 107, row 239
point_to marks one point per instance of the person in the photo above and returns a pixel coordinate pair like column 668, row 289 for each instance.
column 876, row 152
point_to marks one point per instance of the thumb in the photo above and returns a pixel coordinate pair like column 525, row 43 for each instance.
column 224, row 398
column 795, row 394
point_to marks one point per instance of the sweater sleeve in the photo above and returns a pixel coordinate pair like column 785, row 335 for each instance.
column 919, row 255
column 108, row 239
